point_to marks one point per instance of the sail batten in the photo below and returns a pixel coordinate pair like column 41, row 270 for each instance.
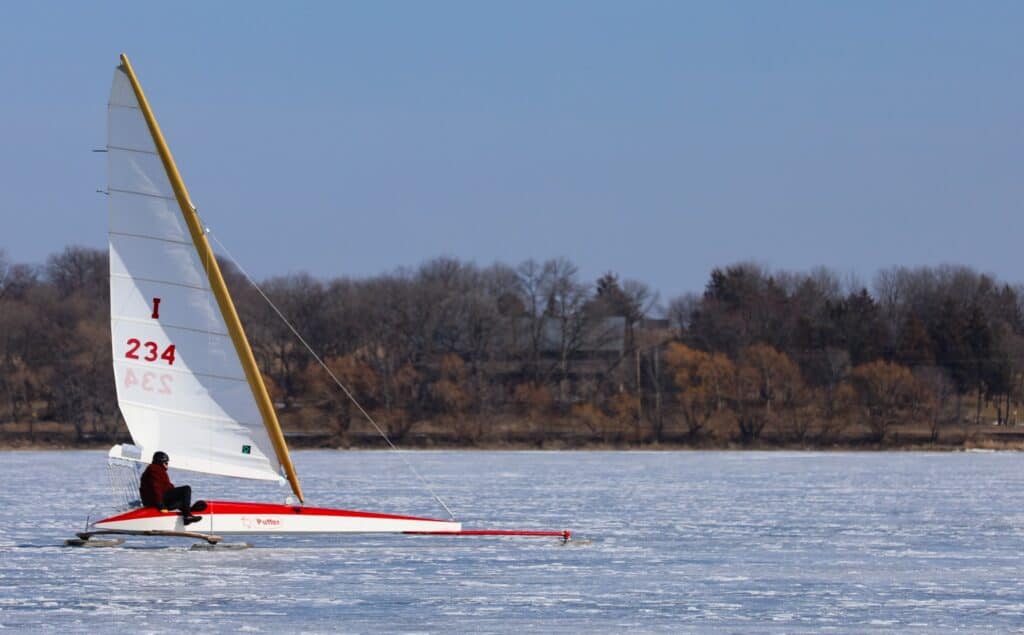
column 192, row 415
column 186, row 378
column 132, row 150
column 137, row 193
column 142, row 366
column 175, row 327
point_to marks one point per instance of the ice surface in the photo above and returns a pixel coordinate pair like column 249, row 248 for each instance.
column 680, row 542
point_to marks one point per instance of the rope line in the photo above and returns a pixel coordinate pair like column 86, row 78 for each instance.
column 401, row 453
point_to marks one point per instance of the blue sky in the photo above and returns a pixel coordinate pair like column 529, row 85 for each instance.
column 654, row 139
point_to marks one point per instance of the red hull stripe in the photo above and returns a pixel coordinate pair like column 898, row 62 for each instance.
column 227, row 507
column 564, row 535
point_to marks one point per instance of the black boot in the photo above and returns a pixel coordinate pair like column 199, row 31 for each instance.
column 189, row 519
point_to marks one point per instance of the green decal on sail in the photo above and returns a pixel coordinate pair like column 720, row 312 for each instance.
column 246, row 449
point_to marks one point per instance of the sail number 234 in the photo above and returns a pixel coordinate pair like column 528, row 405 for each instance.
column 149, row 351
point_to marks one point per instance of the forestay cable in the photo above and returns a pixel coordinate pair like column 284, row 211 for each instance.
column 401, row 453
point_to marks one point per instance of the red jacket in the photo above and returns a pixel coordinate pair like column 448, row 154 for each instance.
column 154, row 485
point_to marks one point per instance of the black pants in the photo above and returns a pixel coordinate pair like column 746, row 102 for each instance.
column 179, row 498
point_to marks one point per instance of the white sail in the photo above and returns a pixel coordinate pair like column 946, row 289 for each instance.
column 180, row 384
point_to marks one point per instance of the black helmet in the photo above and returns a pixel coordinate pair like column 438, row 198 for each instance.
column 161, row 458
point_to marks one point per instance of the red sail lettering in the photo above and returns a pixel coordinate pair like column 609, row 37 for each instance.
column 168, row 355
column 153, row 353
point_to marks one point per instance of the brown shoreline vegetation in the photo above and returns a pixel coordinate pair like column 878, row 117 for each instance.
column 453, row 355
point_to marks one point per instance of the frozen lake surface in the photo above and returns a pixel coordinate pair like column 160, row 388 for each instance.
column 667, row 541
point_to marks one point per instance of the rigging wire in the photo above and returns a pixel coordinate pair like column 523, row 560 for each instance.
column 401, row 453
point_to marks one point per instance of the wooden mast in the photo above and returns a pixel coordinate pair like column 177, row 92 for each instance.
column 220, row 290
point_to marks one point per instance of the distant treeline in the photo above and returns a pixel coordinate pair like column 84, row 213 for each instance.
column 454, row 353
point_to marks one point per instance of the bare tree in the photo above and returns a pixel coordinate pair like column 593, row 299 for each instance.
column 566, row 299
column 767, row 384
column 936, row 399
column 80, row 270
column 680, row 312
column 888, row 394
column 5, row 269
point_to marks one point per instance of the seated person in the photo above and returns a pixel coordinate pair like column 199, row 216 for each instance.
column 156, row 489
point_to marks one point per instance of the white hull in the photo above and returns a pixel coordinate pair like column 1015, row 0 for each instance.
column 253, row 518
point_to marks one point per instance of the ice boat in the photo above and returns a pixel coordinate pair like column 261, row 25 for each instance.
column 187, row 381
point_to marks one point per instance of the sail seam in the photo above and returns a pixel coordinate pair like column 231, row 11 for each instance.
column 125, row 318
column 127, row 149
column 139, row 404
column 111, row 104
column 155, row 281
column 175, row 370
column 137, row 193
column 145, row 237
